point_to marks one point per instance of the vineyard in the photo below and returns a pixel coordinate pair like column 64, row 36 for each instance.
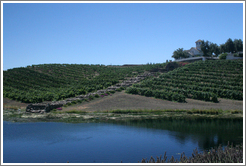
column 53, row 82
column 201, row 80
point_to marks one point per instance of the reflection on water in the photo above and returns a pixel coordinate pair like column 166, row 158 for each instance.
column 113, row 142
column 207, row 132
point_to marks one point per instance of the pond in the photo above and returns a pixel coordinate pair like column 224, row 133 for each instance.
column 113, row 142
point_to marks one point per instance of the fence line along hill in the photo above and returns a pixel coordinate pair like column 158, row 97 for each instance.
column 201, row 80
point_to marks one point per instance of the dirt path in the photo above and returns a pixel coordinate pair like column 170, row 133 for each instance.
column 121, row 100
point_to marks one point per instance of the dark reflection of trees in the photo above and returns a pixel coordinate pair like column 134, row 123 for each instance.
column 207, row 132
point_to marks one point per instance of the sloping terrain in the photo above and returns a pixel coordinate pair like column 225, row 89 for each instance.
column 124, row 101
column 201, row 80
column 49, row 82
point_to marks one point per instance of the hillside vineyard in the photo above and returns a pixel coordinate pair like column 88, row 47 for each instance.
column 53, row 82
column 201, row 80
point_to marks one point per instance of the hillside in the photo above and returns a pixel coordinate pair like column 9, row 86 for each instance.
column 53, row 82
column 201, row 80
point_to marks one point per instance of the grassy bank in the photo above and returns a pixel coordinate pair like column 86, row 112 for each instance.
column 78, row 116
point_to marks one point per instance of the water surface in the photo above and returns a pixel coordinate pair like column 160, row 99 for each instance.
column 129, row 142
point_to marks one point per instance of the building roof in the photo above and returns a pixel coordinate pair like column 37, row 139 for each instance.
column 194, row 48
column 198, row 40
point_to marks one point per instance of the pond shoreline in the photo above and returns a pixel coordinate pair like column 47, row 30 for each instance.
column 74, row 116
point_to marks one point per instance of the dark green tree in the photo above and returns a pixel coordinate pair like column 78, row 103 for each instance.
column 205, row 47
column 229, row 45
column 214, row 49
column 238, row 44
column 180, row 53
column 222, row 48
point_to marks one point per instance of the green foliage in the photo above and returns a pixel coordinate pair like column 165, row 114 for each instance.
column 228, row 154
column 91, row 97
column 79, row 101
column 96, row 95
column 180, row 53
column 223, row 56
column 238, row 44
column 118, row 90
column 206, row 49
column 132, row 90
column 122, row 88
column 53, row 82
column 68, row 104
column 108, row 92
column 73, row 102
column 229, row 45
column 202, row 80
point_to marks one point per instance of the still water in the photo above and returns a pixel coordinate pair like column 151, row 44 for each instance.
column 129, row 142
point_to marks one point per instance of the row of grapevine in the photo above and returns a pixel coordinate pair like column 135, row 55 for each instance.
column 194, row 81
column 47, row 82
column 171, row 96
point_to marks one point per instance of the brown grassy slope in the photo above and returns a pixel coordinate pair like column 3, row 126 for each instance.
column 12, row 103
column 123, row 101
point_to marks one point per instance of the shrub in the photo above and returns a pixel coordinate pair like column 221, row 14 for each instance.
column 236, row 112
column 175, row 97
column 142, row 91
column 178, row 97
column 157, row 94
column 112, row 91
column 74, row 102
column 229, row 154
column 79, row 101
column 132, row 90
column 122, row 88
column 68, row 104
column 214, row 98
column 118, row 90
column 91, row 97
column 223, row 56
column 96, row 95
column 206, row 96
column 148, row 93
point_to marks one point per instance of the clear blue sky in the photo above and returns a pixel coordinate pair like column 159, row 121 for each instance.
column 106, row 33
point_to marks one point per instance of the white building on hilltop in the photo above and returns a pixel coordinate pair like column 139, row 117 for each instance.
column 195, row 54
column 195, row 51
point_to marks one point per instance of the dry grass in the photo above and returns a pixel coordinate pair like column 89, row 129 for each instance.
column 123, row 101
column 230, row 154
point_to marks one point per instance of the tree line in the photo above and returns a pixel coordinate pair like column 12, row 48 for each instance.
column 210, row 49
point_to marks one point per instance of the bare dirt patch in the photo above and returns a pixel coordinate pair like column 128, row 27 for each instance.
column 123, row 101
column 9, row 102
